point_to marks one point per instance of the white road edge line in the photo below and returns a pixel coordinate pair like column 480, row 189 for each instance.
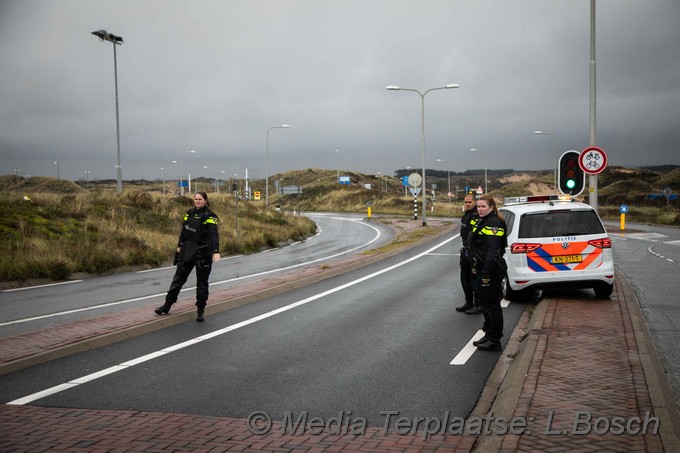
column 40, row 286
column 90, row 377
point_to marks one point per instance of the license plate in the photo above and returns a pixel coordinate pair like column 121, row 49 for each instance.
column 566, row 259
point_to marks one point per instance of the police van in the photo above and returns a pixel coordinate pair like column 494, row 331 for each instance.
column 554, row 241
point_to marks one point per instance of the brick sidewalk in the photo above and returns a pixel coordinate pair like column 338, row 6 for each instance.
column 586, row 362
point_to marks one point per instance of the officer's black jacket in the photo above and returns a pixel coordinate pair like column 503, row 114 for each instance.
column 486, row 241
column 467, row 222
column 200, row 227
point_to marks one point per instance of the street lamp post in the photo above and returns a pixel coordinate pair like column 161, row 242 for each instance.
column 266, row 165
column 337, row 176
column 103, row 35
column 486, row 166
column 179, row 172
column 193, row 151
column 163, row 170
column 554, row 155
column 56, row 162
column 422, row 125
column 87, row 179
column 448, row 176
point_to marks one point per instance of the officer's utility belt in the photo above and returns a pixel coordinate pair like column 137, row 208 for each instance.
column 500, row 265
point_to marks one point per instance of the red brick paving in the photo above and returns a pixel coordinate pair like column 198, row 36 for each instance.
column 586, row 358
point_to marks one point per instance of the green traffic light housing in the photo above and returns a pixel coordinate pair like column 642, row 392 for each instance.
column 572, row 179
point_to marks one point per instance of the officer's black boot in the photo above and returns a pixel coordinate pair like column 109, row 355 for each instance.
column 491, row 344
column 163, row 309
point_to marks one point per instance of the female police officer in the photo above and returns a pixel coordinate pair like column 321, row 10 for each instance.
column 199, row 245
column 487, row 241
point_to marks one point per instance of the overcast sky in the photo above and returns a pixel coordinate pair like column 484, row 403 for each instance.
column 214, row 76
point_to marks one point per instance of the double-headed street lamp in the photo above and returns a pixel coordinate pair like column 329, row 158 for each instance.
column 103, row 35
column 266, row 164
column 422, row 124
column 554, row 154
column 486, row 166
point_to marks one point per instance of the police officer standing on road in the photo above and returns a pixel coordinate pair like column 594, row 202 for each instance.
column 487, row 241
column 467, row 222
column 199, row 246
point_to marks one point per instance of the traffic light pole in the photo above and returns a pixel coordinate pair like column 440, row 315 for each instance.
column 592, row 179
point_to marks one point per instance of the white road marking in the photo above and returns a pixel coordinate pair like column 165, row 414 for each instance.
column 40, row 286
column 467, row 350
column 641, row 236
column 123, row 366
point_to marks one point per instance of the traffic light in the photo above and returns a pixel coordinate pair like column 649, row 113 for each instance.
column 572, row 180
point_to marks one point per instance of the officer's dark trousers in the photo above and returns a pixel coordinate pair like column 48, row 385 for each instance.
column 490, row 299
column 181, row 276
column 466, row 281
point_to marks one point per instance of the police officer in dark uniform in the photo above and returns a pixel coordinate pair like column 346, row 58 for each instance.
column 467, row 222
column 487, row 242
column 198, row 246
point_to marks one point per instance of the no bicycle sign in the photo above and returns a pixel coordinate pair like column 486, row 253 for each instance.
column 592, row 160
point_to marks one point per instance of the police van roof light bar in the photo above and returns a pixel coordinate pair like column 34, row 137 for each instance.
column 538, row 198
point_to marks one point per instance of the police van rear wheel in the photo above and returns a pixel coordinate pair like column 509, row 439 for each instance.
column 603, row 289
column 509, row 293
column 515, row 295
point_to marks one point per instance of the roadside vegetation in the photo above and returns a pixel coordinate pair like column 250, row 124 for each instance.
column 53, row 235
column 53, row 228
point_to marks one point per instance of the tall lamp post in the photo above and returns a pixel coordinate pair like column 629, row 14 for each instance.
column 266, row 164
column 554, row 155
column 422, row 125
column 193, row 151
column 486, row 166
column 163, row 170
column 448, row 176
column 337, row 176
column 103, row 35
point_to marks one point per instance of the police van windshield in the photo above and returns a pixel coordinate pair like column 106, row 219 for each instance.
column 560, row 223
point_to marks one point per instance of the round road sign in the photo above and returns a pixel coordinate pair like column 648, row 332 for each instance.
column 414, row 179
column 592, row 160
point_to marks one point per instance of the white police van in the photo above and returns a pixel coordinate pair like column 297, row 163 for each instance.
column 554, row 241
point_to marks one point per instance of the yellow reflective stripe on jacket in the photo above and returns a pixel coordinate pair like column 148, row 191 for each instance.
column 210, row 220
column 489, row 231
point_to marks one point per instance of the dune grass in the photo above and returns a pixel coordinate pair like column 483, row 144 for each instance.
column 53, row 235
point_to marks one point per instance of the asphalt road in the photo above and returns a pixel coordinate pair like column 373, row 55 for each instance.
column 376, row 341
column 32, row 308
column 649, row 257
